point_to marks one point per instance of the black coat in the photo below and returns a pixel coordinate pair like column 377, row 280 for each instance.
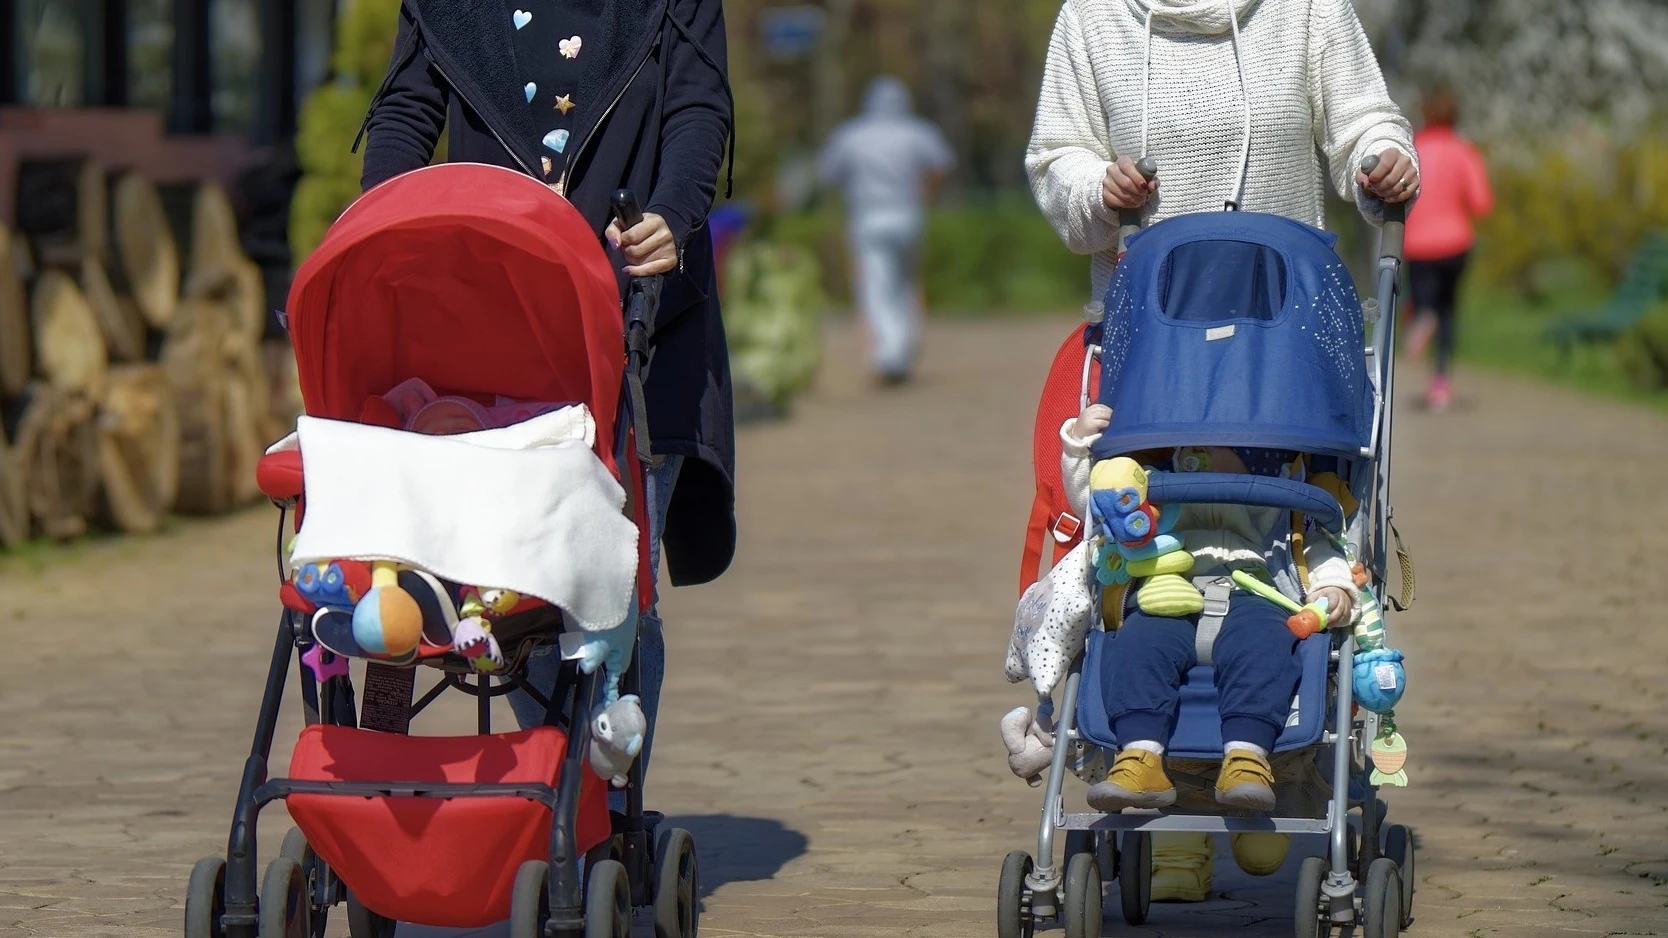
column 664, row 139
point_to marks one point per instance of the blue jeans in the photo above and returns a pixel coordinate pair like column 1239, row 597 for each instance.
column 544, row 664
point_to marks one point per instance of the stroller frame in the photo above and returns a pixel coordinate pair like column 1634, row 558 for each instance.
column 1329, row 891
column 226, row 897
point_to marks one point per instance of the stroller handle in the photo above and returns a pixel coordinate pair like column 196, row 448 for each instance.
column 1395, row 216
column 1129, row 219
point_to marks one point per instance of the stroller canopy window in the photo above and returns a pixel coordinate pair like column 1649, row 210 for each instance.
column 1217, row 281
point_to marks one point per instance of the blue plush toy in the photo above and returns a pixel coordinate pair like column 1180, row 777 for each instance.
column 1379, row 679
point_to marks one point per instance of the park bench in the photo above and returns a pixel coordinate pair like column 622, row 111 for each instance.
column 1643, row 284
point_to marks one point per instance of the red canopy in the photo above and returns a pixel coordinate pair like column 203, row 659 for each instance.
column 479, row 280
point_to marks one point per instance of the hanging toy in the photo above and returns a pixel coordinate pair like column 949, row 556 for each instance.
column 1305, row 620
column 387, row 622
column 473, row 639
column 1389, row 755
column 1141, row 530
column 336, row 584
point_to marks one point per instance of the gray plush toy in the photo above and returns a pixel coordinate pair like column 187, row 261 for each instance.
column 617, row 734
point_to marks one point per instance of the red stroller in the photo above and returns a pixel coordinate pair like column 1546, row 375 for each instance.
column 489, row 287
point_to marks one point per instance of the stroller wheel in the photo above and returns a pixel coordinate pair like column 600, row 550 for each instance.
column 1013, row 899
column 1398, row 846
column 676, row 886
column 321, row 886
column 363, row 923
column 1135, row 875
column 1081, row 915
column 1382, row 912
column 285, row 906
column 607, row 902
column 1308, row 919
column 529, row 901
column 205, row 899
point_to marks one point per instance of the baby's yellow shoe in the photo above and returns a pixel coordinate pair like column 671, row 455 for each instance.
column 1170, row 596
column 1246, row 782
column 1181, row 867
column 1137, row 780
column 1260, row 853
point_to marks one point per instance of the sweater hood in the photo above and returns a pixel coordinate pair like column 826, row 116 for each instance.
column 1207, row 17
column 887, row 97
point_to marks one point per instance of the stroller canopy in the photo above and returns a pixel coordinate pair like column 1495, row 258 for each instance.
column 479, row 280
column 1234, row 329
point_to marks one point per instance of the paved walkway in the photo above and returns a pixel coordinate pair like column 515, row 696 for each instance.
column 830, row 728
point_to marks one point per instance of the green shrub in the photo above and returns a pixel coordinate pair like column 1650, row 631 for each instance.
column 331, row 116
column 1590, row 203
column 1643, row 351
column 773, row 304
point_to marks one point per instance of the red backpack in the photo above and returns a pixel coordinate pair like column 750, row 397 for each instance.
column 1053, row 531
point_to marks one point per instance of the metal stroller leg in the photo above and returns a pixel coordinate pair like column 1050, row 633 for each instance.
column 634, row 833
column 567, row 897
column 1044, row 879
column 1339, row 887
column 242, row 885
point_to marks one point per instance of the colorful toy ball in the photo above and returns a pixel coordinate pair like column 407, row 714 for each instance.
column 1379, row 679
column 387, row 622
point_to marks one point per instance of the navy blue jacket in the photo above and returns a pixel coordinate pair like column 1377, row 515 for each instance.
column 656, row 120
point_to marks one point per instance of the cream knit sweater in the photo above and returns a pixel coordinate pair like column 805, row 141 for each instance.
column 1178, row 80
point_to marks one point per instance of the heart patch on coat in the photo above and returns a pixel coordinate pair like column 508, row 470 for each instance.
column 531, row 89
column 556, row 140
column 522, row 18
column 569, row 47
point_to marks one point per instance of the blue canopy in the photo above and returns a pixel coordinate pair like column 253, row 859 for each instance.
column 1234, row 329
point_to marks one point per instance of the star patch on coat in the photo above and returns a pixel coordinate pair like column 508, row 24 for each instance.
column 569, row 47
column 564, row 103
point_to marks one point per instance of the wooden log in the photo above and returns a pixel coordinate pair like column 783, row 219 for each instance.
column 147, row 261
column 16, row 346
column 14, row 509
column 139, row 448
column 220, row 387
column 190, row 356
column 118, row 317
column 57, row 446
column 62, row 207
column 69, row 345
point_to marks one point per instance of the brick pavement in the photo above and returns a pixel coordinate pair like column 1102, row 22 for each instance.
column 829, row 730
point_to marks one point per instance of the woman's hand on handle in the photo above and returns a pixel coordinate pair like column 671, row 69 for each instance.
column 1393, row 179
column 1124, row 187
column 648, row 246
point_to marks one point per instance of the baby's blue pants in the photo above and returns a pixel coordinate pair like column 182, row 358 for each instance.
column 1257, row 671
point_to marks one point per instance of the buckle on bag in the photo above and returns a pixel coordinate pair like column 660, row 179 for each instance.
column 1066, row 527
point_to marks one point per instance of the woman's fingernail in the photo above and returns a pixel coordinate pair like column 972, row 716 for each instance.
column 614, row 244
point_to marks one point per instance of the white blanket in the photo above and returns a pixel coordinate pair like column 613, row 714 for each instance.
column 527, row 507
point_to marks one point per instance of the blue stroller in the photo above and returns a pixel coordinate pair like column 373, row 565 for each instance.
column 1245, row 330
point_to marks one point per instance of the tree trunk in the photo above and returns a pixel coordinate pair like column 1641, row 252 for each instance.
column 69, row 345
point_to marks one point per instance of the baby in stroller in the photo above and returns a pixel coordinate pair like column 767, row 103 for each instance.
column 1254, row 651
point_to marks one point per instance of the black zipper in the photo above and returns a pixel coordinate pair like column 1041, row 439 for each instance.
column 573, row 158
column 496, row 135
